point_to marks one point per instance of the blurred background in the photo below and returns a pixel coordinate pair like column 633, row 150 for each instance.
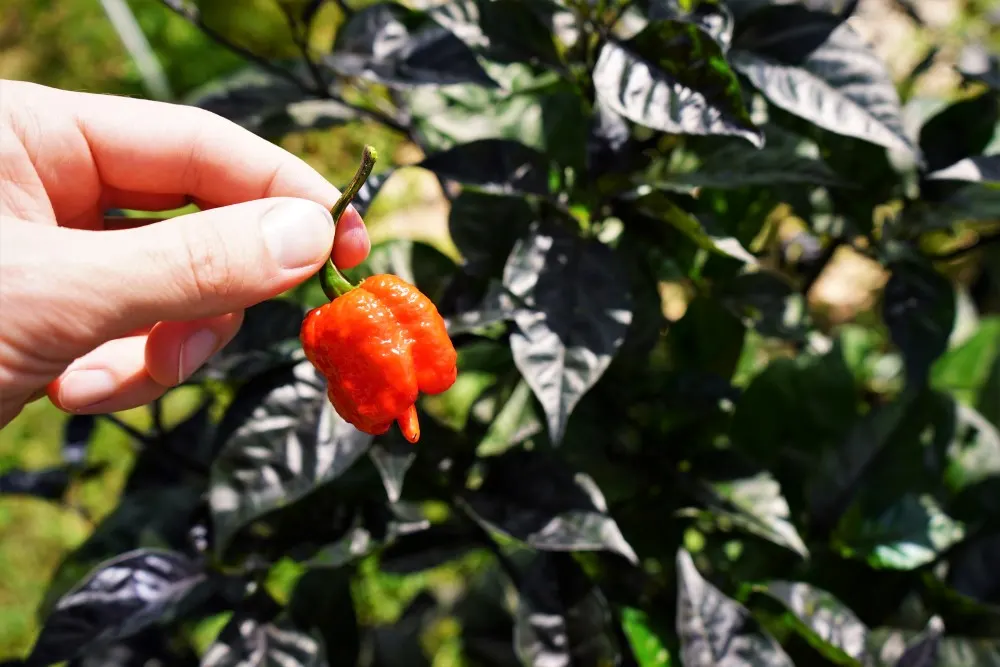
column 139, row 48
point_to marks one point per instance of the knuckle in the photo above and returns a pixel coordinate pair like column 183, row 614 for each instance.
column 209, row 267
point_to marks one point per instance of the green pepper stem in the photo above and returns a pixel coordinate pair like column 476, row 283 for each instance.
column 331, row 279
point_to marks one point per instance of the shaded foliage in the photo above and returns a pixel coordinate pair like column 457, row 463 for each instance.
column 658, row 451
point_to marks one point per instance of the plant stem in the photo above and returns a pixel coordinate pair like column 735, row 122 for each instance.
column 320, row 90
column 332, row 280
column 138, row 435
column 194, row 18
column 300, row 37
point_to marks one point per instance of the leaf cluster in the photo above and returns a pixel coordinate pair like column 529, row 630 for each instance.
column 659, row 450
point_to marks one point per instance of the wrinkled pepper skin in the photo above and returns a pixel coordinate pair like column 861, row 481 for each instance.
column 380, row 345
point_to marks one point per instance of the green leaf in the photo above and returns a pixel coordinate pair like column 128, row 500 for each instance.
column 829, row 625
column 715, row 630
column 497, row 166
column 961, row 130
column 514, row 423
column 711, row 16
column 647, row 647
column 674, row 78
column 918, row 307
column 538, row 109
column 399, row 47
column 705, row 231
column 574, row 312
column 817, row 67
column 536, row 498
column 965, row 370
column 910, row 533
column 289, row 442
column 974, row 453
column 761, row 509
column 561, row 617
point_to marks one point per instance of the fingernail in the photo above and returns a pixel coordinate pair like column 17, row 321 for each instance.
column 195, row 351
column 298, row 233
column 83, row 388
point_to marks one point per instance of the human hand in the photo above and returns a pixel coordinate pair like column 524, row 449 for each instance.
column 106, row 316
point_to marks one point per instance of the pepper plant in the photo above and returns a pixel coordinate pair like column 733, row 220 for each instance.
column 659, row 450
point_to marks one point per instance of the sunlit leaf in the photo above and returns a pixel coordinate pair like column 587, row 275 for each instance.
column 715, row 630
column 674, row 78
column 705, row 231
column 759, row 508
column 118, row 599
column 396, row 46
column 288, row 441
column 816, row 66
column 830, row 626
column 647, row 646
column 575, row 313
column 536, row 498
column 561, row 617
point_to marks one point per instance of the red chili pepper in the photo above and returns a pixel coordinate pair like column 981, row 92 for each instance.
column 378, row 344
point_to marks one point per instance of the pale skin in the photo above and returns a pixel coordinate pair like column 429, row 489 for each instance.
column 106, row 314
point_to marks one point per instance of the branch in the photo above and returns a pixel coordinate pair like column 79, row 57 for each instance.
column 300, row 38
column 194, row 18
column 321, row 91
column 138, row 435
column 373, row 114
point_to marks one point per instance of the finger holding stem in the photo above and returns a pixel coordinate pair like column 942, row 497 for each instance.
column 332, row 280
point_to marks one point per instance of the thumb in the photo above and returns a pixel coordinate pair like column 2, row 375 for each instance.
column 207, row 263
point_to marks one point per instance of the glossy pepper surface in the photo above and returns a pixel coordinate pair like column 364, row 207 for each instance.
column 379, row 345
